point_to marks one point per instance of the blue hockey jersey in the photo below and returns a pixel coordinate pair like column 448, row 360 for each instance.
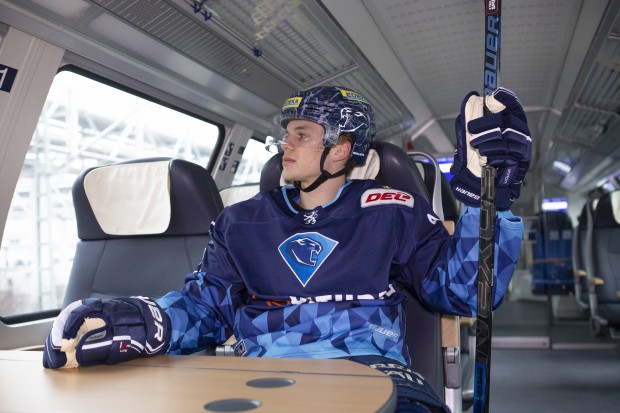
column 327, row 283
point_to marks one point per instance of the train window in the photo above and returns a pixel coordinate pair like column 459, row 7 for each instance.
column 254, row 157
column 83, row 123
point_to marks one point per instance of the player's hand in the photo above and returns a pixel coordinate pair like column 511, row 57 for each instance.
column 95, row 331
column 500, row 138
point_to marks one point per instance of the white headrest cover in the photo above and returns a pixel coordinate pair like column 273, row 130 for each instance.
column 615, row 205
column 369, row 170
column 130, row 199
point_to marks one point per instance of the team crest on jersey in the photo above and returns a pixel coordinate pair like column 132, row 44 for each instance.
column 386, row 196
column 304, row 253
column 310, row 217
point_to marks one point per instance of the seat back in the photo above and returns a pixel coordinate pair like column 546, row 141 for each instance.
column 238, row 193
column 552, row 271
column 390, row 165
column 386, row 162
column 142, row 226
column 580, row 244
column 606, row 257
column 457, row 331
column 436, row 182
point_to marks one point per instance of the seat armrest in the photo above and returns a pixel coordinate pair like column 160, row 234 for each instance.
column 450, row 331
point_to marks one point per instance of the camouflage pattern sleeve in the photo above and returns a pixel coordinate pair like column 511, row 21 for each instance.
column 202, row 312
column 449, row 282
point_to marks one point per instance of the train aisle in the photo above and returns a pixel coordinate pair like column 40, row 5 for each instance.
column 555, row 381
column 545, row 358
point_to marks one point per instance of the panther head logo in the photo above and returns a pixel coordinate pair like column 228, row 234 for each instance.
column 304, row 250
column 351, row 120
column 305, row 253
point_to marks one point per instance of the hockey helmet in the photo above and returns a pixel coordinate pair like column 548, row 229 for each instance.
column 338, row 110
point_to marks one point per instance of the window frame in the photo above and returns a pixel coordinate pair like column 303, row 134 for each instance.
column 19, row 318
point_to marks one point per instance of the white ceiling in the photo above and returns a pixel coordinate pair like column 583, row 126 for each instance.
column 548, row 51
column 414, row 59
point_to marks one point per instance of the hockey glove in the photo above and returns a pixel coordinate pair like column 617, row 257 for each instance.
column 95, row 331
column 500, row 138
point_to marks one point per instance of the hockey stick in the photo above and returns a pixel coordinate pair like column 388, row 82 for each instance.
column 482, row 372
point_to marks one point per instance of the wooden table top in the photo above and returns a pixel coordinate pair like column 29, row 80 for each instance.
column 193, row 384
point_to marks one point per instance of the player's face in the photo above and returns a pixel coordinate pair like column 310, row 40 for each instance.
column 302, row 149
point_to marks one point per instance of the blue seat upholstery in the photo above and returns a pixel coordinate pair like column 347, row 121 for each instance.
column 552, row 271
column 423, row 327
column 153, row 240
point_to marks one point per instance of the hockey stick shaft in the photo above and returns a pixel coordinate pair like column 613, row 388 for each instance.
column 485, row 292
column 486, row 256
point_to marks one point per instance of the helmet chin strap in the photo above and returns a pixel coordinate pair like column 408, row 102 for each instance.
column 324, row 174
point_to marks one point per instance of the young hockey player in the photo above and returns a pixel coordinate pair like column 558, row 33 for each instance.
column 315, row 269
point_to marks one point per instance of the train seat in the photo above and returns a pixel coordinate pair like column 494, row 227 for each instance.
column 433, row 178
column 142, row 226
column 390, row 165
column 238, row 193
column 447, row 207
column 606, row 261
column 582, row 231
column 552, row 270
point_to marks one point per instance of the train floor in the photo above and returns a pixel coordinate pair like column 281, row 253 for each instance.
column 562, row 381
column 546, row 359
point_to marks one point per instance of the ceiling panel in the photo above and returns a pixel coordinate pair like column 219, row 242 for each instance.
column 270, row 47
column 288, row 33
column 441, row 43
column 410, row 57
column 169, row 25
column 596, row 108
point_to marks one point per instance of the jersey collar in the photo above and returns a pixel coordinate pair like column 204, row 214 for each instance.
column 291, row 196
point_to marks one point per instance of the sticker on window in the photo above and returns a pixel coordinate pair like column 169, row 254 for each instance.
column 7, row 77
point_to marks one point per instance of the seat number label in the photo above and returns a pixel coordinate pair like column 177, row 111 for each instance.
column 7, row 76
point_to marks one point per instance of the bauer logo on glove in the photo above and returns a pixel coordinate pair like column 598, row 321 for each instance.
column 501, row 138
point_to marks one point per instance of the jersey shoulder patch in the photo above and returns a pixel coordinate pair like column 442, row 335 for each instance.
column 386, row 196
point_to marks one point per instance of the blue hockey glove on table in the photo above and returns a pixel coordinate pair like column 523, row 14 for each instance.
column 500, row 138
column 95, row 331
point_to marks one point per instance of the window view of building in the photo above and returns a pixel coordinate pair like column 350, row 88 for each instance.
column 83, row 123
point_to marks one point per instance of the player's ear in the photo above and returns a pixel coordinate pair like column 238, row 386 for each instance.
column 343, row 148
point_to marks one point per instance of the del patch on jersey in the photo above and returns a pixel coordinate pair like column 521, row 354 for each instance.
column 304, row 253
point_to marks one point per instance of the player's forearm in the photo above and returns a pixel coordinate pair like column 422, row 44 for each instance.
column 196, row 325
column 452, row 288
column 463, row 264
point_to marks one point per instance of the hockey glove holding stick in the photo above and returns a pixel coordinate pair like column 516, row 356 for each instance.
column 95, row 331
column 501, row 138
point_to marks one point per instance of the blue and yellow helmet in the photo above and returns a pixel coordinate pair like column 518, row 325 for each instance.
column 339, row 110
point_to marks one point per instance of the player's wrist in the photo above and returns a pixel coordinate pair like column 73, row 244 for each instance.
column 466, row 187
column 156, row 325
